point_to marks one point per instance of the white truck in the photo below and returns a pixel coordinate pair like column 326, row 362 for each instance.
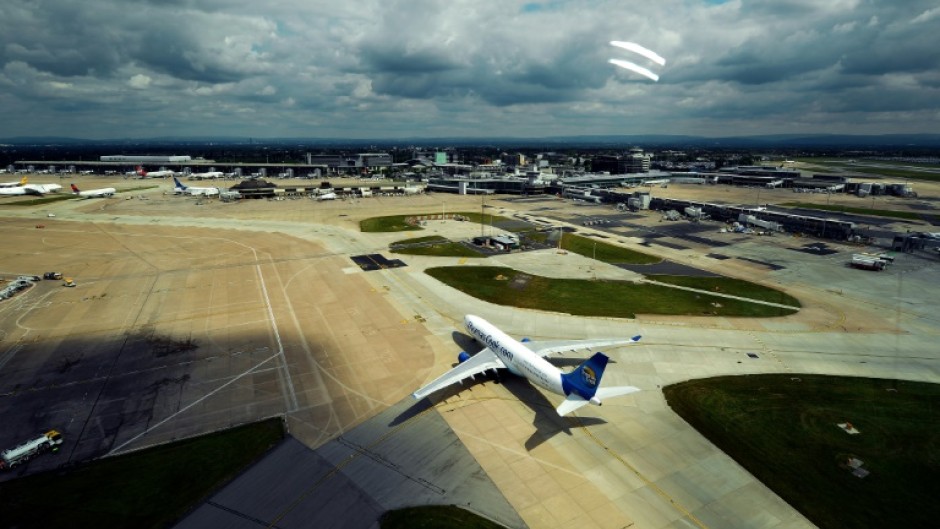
column 48, row 441
column 868, row 262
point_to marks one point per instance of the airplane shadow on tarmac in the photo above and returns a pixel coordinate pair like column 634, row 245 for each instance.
column 546, row 421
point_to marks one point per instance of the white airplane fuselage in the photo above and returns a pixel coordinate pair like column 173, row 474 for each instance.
column 29, row 189
column 210, row 174
column 181, row 189
column 98, row 193
column 42, row 189
column 143, row 173
column 519, row 359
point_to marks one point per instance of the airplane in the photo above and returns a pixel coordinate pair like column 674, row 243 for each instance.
column 181, row 189
column 94, row 193
column 21, row 182
column 579, row 387
column 15, row 191
column 143, row 173
column 87, row 171
column 327, row 196
column 26, row 188
column 210, row 174
column 42, row 189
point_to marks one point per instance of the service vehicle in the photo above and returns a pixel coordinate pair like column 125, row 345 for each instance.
column 49, row 441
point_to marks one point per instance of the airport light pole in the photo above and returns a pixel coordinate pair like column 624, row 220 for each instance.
column 594, row 264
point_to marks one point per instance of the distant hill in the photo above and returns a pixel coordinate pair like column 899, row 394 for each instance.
column 642, row 140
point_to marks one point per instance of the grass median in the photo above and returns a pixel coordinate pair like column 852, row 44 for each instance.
column 836, row 208
column 394, row 223
column 586, row 297
column 605, row 252
column 784, row 430
column 435, row 517
column 147, row 489
column 434, row 245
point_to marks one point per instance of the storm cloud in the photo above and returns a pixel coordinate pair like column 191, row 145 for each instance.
column 398, row 68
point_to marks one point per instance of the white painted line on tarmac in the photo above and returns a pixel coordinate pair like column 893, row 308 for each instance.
column 190, row 405
column 277, row 336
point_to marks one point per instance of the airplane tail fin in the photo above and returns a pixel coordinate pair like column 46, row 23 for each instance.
column 141, row 171
column 75, row 189
column 24, row 181
column 178, row 183
column 585, row 379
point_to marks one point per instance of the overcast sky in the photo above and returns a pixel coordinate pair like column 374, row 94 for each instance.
column 472, row 68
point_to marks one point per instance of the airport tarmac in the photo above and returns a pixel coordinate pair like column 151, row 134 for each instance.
column 285, row 322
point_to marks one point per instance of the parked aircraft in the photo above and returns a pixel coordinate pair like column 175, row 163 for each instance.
column 209, row 174
column 25, row 188
column 42, row 189
column 14, row 191
column 327, row 196
column 94, row 193
column 181, row 189
column 21, row 182
column 579, row 387
column 86, row 171
column 143, row 173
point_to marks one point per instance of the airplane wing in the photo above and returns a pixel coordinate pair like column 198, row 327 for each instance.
column 616, row 391
column 478, row 363
column 574, row 401
column 546, row 348
column 571, row 403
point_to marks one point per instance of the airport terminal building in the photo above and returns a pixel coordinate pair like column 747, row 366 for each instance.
column 133, row 158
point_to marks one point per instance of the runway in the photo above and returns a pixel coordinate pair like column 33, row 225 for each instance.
column 356, row 343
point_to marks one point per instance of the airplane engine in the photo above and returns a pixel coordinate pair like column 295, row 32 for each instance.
column 525, row 340
column 463, row 357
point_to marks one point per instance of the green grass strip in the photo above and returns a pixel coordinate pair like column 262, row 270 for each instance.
column 421, row 240
column 147, row 489
column 387, row 224
column 783, row 430
column 605, row 252
column 907, row 215
column 730, row 286
column 443, row 248
column 897, row 173
column 435, row 517
column 393, row 223
column 586, row 297
column 39, row 201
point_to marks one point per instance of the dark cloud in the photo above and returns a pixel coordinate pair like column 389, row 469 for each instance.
column 395, row 60
column 409, row 66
